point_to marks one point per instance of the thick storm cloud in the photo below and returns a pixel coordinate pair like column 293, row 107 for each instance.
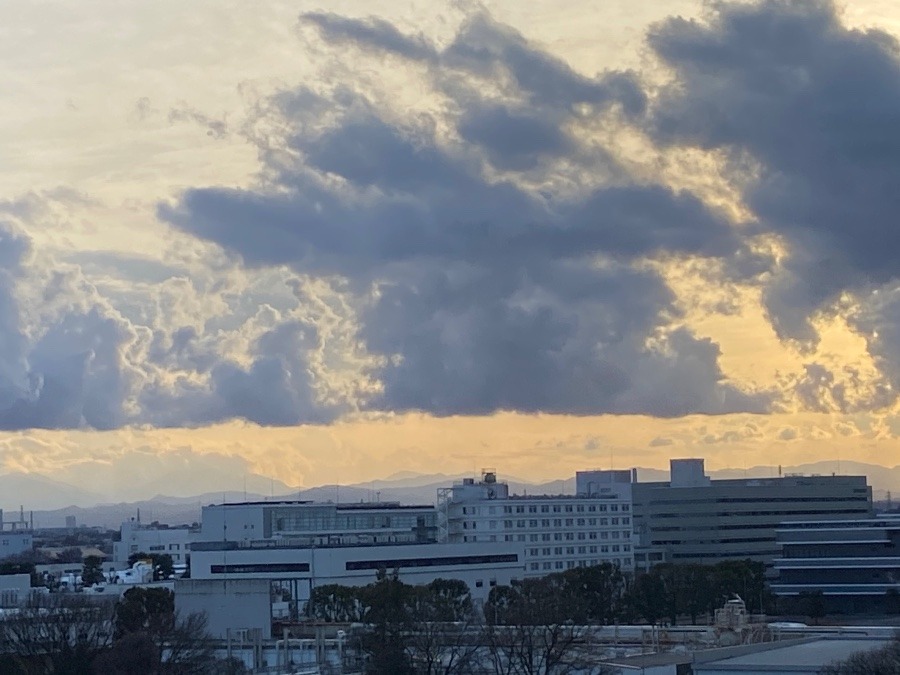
column 808, row 110
column 478, row 291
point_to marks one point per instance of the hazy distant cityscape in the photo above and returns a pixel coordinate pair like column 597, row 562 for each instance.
column 685, row 568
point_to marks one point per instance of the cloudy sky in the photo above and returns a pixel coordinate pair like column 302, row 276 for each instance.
column 332, row 244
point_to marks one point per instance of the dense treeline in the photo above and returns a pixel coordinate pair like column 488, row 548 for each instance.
column 533, row 626
column 597, row 595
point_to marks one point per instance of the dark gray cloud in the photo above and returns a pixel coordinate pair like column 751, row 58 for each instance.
column 480, row 293
column 815, row 106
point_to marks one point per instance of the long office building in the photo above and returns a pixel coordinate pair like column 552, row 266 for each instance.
column 855, row 564
column 304, row 523
column 558, row 532
column 299, row 569
column 693, row 519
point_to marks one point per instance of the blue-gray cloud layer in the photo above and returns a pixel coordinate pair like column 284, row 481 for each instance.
column 491, row 294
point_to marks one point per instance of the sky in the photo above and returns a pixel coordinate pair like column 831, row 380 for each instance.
column 329, row 243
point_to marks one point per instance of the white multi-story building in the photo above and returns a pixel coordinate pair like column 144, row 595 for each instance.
column 136, row 537
column 558, row 532
column 299, row 569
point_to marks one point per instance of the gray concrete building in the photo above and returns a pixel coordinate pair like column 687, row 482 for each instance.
column 693, row 519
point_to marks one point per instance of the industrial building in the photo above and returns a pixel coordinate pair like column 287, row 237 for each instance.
column 15, row 535
column 693, row 519
column 557, row 532
column 855, row 564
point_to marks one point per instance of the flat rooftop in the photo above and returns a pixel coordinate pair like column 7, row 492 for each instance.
column 807, row 657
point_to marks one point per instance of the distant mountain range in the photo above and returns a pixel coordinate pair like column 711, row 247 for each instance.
column 52, row 500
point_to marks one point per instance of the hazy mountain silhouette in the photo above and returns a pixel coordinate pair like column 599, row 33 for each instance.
column 53, row 500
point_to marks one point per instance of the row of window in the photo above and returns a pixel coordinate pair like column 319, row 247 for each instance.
column 580, row 550
column 551, row 508
column 571, row 564
column 546, row 522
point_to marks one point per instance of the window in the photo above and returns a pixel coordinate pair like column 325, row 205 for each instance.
column 558, row 550
column 570, row 536
column 532, row 509
column 532, row 537
column 556, row 509
column 545, row 522
column 568, row 508
column 569, row 522
column 580, row 522
column 557, row 536
column 558, row 564
column 545, row 509
column 592, row 508
column 580, row 509
column 535, row 566
column 570, row 550
column 479, row 583
column 532, row 523
column 545, row 537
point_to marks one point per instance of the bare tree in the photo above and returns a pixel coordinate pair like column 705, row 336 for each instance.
column 530, row 632
column 444, row 640
column 57, row 634
column 882, row 661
